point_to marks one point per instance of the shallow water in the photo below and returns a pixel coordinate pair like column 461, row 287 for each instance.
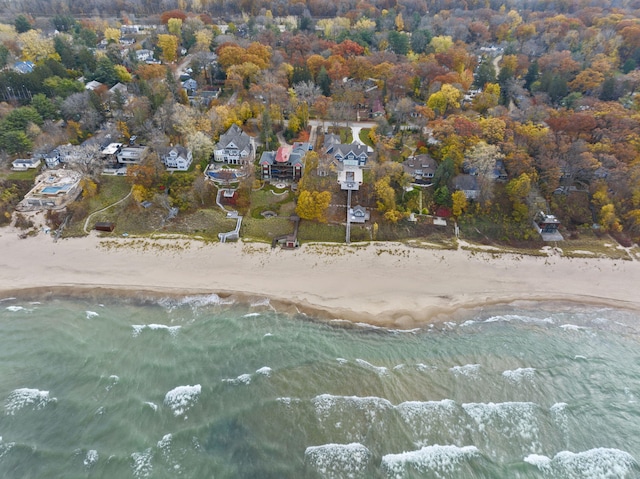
column 195, row 388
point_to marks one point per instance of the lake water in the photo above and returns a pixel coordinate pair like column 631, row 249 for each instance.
column 195, row 388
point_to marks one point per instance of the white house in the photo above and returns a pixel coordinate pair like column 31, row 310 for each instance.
column 176, row 157
column 144, row 55
column 235, row 147
column 25, row 164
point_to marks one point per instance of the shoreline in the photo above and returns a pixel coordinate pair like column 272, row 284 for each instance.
column 388, row 285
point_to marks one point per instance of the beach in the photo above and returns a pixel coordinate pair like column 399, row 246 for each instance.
column 385, row 284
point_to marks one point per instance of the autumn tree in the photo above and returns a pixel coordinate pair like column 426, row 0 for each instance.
column 312, row 205
column 169, row 46
column 459, row 203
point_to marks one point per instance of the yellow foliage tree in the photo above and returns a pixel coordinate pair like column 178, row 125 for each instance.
column 312, row 205
column 441, row 43
column 123, row 74
column 459, row 203
column 112, row 35
column 169, row 46
column 174, row 25
column 89, row 188
column 37, row 48
column 204, row 37
column 399, row 22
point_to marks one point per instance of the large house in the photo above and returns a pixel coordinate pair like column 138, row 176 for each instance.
column 53, row 189
column 287, row 163
column 354, row 154
column 235, row 147
column 421, row 168
column 176, row 157
column 132, row 155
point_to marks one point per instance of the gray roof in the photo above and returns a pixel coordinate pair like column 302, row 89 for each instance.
column 343, row 150
column 420, row 165
column 236, row 136
column 164, row 152
column 466, row 182
column 330, row 139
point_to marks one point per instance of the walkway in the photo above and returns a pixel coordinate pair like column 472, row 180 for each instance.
column 231, row 235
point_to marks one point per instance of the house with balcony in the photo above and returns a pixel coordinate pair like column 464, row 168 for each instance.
column 176, row 158
column 287, row 163
column 235, row 147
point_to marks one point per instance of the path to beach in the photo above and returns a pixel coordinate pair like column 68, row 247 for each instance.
column 387, row 284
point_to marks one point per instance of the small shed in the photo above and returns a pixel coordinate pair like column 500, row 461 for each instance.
column 107, row 226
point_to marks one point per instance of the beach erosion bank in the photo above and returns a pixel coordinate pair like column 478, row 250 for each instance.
column 390, row 285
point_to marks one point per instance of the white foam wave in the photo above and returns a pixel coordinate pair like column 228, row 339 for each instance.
column 435, row 458
column 338, row 460
column 15, row 309
column 287, row 401
column 372, row 406
column 424, row 416
column 599, row 463
column 138, row 328
column 91, row 314
column 424, row 367
column 251, row 315
column 182, row 398
column 342, row 360
column 520, row 374
column 514, row 419
column 242, row 379
column 152, row 405
column 572, row 327
column 142, row 464
column 267, row 335
column 264, row 371
column 260, row 302
column 114, row 380
column 578, row 356
column 7, row 299
column 21, row 398
column 468, row 370
column 380, row 370
column 197, row 301
column 165, row 442
column 518, row 318
column 5, row 447
column 91, row 458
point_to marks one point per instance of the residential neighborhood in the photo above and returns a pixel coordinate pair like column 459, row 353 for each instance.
column 392, row 112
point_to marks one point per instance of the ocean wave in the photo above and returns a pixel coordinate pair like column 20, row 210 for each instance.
column 423, row 417
column 260, row 302
column 572, row 327
column 152, row 405
column 12, row 298
column 599, row 463
column 469, row 370
column 242, row 379
column 379, row 370
column 15, row 309
column 142, row 466
column 138, row 328
column 91, row 314
column 372, row 406
column 520, row 374
column 251, row 315
column 91, row 458
column 182, row 398
column 195, row 302
column 435, row 458
column 264, row 371
column 513, row 419
column 518, row 318
column 339, row 460
column 5, row 447
column 21, row 398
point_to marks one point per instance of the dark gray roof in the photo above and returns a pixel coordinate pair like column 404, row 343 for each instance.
column 179, row 149
column 236, row 136
column 421, row 164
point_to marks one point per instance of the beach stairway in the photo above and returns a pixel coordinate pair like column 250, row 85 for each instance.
column 233, row 235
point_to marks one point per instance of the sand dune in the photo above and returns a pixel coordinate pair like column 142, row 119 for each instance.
column 384, row 284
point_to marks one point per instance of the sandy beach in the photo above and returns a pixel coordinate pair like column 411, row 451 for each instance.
column 385, row 284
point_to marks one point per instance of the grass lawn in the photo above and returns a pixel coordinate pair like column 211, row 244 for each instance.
column 28, row 175
column 266, row 200
column 265, row 229
column 310, row 231
column 364, row 137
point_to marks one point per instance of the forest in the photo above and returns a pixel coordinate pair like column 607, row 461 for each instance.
column 543, row 91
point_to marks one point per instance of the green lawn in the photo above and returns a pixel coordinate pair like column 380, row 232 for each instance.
column 364, row 137
column 266, row 200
